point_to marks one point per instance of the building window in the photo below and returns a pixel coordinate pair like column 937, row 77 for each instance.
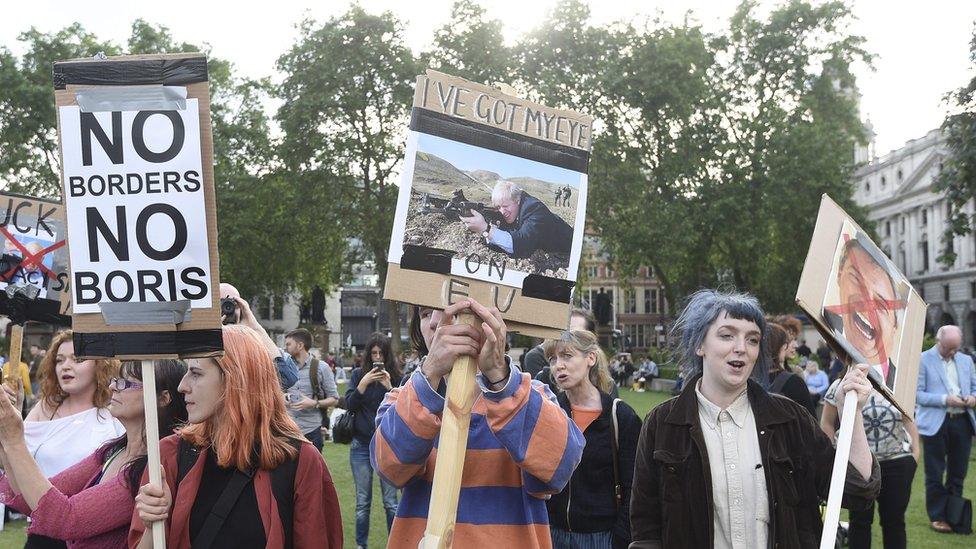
column 278, row 309
column 925, row 217
column 925, row 255
column 899, row 174
column 647, row 301
column 945, row 292
column 264, row 308
column 867, row 186
column 592, row 271
column 887, row 228
column 651, row 297
column 630, row 299
column 609, row 271
column 883, row 181
column 972, row 290
column 902, row 228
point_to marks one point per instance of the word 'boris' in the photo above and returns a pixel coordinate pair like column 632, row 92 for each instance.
column 538, row 122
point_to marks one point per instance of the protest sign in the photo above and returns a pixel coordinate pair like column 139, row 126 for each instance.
column 32, row 232
column 862, row 304
column 137, row 178
column 492, row 204
column 868, row 311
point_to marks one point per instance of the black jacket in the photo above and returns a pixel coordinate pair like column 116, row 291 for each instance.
column 671, row 505
column 587, row 503
column 365, row 405
column 537, row 228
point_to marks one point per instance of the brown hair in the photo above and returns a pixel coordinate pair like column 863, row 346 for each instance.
column 302, row 336
column 51, row 393
column 584, row 342
column 777, row 338
column 251, row 421
column 789, row 323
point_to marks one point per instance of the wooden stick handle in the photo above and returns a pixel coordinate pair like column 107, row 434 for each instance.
column 16, row 348
column 152, row 443
column 451, row 447
column 842, row 455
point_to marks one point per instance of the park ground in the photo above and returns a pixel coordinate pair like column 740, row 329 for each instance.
column 337, row 457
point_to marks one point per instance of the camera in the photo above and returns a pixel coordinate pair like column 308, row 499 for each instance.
column 228, row 310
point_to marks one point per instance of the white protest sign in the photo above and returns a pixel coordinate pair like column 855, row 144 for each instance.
column 135, row 208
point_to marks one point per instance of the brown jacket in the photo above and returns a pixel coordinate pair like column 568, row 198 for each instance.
column 671, row 502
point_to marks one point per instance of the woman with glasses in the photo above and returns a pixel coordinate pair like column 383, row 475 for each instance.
column 90, row 503
column 70, row 419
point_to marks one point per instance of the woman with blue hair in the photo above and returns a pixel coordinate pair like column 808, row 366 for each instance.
column 756, row 463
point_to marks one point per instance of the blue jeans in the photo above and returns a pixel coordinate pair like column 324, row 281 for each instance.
column 315, row 437
column 362, row 475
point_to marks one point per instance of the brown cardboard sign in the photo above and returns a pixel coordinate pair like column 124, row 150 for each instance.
column 32, row 232
column 137, row 178
column 861, row 302
column 492, row 204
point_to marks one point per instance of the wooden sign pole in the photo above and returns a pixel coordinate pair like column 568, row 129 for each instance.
column 16, row 348
column 842, row 455
column 152, row 443
column 451, row 447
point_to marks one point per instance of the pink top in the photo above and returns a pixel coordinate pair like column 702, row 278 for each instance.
column 82, row 515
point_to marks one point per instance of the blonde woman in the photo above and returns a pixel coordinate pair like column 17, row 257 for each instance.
column 593, row 511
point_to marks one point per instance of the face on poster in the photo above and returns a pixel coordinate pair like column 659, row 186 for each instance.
column 865, row 303
column 135, row 207
column 503, row 217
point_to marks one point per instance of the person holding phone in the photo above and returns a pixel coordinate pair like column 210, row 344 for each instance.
column 377, row 375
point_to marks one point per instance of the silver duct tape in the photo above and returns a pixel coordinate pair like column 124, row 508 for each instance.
column 165, row 312
column 131, row 98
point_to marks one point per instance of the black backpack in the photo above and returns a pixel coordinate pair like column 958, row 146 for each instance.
column 282, row 486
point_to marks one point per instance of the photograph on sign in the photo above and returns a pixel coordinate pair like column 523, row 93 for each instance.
column 515, row 215
column 864, row 306
column 135, row 206
column 34, row 253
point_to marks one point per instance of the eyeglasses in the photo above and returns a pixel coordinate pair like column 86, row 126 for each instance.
column 121, row 384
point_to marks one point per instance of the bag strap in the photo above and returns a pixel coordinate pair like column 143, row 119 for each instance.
column 618, row 492
column 224, row 505
column 779, row 382
column 313, row 376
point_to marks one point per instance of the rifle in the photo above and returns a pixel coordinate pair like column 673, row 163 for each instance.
column 459, row 206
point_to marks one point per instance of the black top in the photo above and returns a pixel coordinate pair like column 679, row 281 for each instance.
column 537, row 228
column 796, row 390
column 243, row 527
column 365, row 405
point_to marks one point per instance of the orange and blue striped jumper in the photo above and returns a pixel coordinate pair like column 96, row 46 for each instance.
column 522, row 447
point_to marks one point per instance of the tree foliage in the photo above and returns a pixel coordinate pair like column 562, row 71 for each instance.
column 958, row 177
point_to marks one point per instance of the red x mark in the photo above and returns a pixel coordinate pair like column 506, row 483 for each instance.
column 869, row 307
column 30, row 260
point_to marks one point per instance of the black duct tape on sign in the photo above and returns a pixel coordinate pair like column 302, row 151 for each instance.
column 38, row 310
column 168, row 72
column 548, row 288
column 422, row 258
column 496, row 139
column 182, row 343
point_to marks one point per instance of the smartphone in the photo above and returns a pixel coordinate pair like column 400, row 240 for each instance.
column 378, row 366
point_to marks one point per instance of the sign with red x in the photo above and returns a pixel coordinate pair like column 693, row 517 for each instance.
column 34, row 252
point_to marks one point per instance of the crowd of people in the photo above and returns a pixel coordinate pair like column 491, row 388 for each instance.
column 740, row 457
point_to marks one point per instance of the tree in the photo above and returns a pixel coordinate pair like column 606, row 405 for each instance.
column 958, row 177
column 348, row 85
column 471, row 46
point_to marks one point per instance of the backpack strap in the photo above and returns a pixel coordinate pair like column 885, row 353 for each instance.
column 186, row 457
column 779, row 381
column 313, row 376
column 224, row 505
column 618, row 491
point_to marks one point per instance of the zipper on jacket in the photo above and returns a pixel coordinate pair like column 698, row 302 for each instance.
column 569, row 501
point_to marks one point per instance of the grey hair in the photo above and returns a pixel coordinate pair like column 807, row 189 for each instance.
column 701, row 309
column 507, row 189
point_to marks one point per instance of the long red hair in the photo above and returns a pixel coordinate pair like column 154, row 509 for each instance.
column 51, row 392
column 251, row 419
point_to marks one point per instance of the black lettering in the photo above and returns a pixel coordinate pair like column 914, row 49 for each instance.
column 444, row 101
column 499, row 120
column 200, row 285
column 87, row 282
column 76, row 186
column 171, row 278
column 453, row 287
column 115, row 182
column 477, row 107
column 17, row 226
column 6, row 214
column 191, row 176
column 152, row 183
column 110, row 291
column 171, row 179
column 508, row 303
column 467, row 263
column 59, row 283
column 179, row 237
column 41, row 217
column 500, row 268
column 111, row 147
column 91, row 185
column 129, row 178
column 531, row 116
column 559, row 124
column 511, row 117
column 139, row 140
column 149, row 285
column 118, row 242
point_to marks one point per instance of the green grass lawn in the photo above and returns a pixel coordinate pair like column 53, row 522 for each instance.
column 337, row 457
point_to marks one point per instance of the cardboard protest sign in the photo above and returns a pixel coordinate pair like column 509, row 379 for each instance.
column 32, row 232
column 863, row 304
column 492, row 204
column 137, row 176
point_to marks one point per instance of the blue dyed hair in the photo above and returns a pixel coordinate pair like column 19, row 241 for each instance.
column 701, row 309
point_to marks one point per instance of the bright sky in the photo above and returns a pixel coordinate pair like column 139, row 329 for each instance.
column 921, row 47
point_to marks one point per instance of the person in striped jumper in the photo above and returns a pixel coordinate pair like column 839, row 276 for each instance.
column 522, row 447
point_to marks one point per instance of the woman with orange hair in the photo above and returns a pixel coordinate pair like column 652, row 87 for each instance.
column 240, row 474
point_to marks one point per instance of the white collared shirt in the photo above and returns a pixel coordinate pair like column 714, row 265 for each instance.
column 952, row 376
column 739, row 497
